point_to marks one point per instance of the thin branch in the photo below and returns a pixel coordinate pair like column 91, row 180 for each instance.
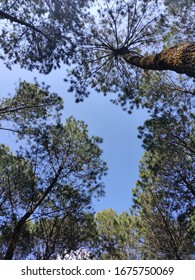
column 10, row 129
column 7, row 110
column 129, row 27
column 167, row 227
column 16, row 20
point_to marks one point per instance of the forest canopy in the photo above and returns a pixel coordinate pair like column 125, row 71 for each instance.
column 142, row 52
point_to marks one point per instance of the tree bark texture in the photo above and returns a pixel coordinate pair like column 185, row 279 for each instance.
column 180, row 58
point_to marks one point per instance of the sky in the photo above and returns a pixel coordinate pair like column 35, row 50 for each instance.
column 121, row 148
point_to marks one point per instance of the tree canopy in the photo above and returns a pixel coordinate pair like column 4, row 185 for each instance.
column 165, row 193
column 116, row 240
column 160, row 224
column 49, row 182
column 31, row 107
column 116, row 44
column 143, row 52
column 40, row 34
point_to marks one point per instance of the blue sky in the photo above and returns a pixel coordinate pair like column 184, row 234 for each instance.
column 122, row 149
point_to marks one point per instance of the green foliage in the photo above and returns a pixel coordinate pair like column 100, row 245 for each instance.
column 164, row 196
column 92, row 41
column 115, row 233
column 134, row 26
column 46, row 186
column 60, row 237
column 115, row 26
column 161, row 92
column 32, row 106
column 40, row 34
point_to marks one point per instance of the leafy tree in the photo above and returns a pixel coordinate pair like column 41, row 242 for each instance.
column 64, row 237
column 110, row 50
column 40, row 34
column 115, row 232
column 161, row 225
column 172, row 139
column 99, row 42
column 162, row 232
column 46, row 187
column 116, row 45
column 105, row 46
column 165, row 194
column 159, row 92
column 32, row 106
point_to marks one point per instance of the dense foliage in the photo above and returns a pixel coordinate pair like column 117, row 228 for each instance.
column 46, row 186
column 165, row 195
column 126, row 48
column 40, row 34
column 116, row 239
column 31, row 107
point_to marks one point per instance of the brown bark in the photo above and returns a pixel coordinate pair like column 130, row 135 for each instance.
column 180, row 58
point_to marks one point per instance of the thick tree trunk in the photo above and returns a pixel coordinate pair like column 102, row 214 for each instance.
column 180, row 58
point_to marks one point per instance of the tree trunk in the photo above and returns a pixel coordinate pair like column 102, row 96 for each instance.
column 16, row 232
column 180, row 58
